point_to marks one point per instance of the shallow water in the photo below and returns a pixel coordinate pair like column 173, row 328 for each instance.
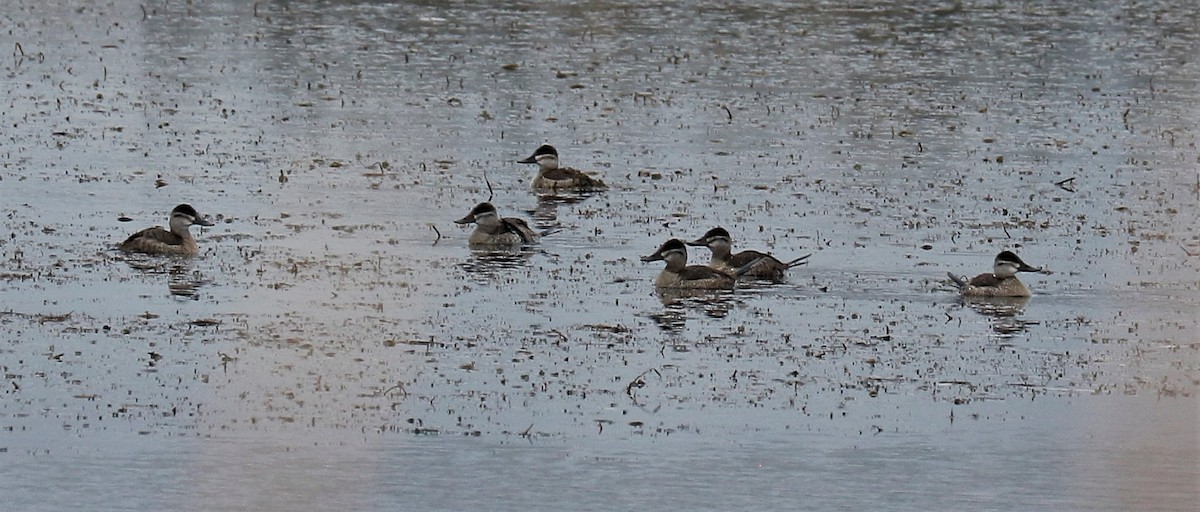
column 336, row 345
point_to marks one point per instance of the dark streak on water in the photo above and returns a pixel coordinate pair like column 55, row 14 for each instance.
column 329, row 351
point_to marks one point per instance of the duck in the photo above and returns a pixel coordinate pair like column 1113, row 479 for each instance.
column 1002, row 282
column 493, row 230
column 679, row 275
column 551, row 177
column 721, row 244
column 177, row 241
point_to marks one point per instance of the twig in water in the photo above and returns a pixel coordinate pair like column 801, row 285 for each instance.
column 1067, row 184
column 1004, row 226
column 435, row 230
column 489, row 184
column 1187, row 252
column 728, row 113
column 398, row 386
column 639, row 382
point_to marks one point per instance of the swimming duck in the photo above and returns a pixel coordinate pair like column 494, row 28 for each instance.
column 721, row 244
column 678, row 274
column 178, row 241
column 1002, row 282
column 552, row 177
column 491, row 229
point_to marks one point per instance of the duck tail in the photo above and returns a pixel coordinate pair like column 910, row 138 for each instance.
column 959, row 281
column 591, row 182
column 803, row 260
column 742, row 270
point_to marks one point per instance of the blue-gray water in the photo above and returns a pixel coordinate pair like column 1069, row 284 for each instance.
column 336, row 345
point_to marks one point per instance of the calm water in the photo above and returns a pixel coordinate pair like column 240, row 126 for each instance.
column 336, row 345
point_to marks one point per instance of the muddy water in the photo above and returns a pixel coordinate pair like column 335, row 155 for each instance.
column 336, row 345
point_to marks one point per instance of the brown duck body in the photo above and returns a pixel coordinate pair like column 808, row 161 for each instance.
column 510, row 231
column 988, row 285
column 565, row 178
column 694, row 277
column 157, row 240
column 768, row 267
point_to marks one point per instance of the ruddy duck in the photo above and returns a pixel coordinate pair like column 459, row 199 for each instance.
column 491, row 229
column 721, row 244
column 1002, row 282
column 178, row 241
column 678, row 274
column 551, row 177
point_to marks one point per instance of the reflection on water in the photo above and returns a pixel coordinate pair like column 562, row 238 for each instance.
column 999, row 307
column 497, row 263
column 678, row 301
column 1004, row 311
column 545, row 214
column 183, row 281
column 895, row 139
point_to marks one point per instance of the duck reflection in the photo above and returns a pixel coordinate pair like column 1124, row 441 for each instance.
column 183, row 281
column 496, row 263
column 1004, row 311
column 678, row 301
column 546, row 211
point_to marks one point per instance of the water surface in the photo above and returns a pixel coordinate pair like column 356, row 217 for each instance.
column 336, row 345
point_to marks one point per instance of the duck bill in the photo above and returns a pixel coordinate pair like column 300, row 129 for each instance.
column 699, row 242
column 202, row 221
column 653, row 257
column 530, row 160
column 1026, row 268
column 465, row 220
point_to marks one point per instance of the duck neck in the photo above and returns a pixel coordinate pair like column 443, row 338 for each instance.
column 179, row 226
column 720, row 252
column 675, row 263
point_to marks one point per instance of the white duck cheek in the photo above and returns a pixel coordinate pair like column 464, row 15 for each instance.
column 180, row 222
column 1003, row 270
